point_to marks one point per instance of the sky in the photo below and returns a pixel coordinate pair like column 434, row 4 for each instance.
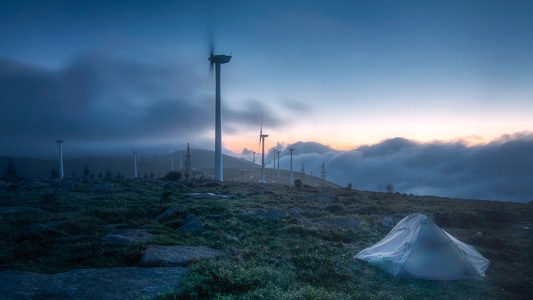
column 109, row 76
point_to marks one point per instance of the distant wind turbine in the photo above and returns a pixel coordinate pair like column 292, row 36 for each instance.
column 61, row 173
column 262, row 141
column 217, row 60
column 134, row 152
column 292, row 150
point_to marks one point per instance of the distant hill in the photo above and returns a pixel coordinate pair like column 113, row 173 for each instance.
column 202, row 161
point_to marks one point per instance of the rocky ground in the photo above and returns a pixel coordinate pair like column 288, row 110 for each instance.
column 135, row 239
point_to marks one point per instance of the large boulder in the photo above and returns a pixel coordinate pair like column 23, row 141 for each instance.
column 105, row 283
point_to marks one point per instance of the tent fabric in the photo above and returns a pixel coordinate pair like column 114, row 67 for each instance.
column 416, row 247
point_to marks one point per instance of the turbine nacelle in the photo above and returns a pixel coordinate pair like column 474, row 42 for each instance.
column 219, row 59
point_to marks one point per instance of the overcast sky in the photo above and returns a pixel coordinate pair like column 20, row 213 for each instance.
column 112, row 75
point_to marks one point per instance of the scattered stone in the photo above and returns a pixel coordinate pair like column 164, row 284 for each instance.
column 192, row 218
column 293, row 212
column 168, row 256
column 126, row 236
column 191, row 227
column 192, row 224
column 276, row 214
column 388, row 222
column 259, row 211
column 105, row 283
column 171, row 212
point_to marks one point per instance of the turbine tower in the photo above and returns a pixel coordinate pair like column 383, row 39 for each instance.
column 134, row 163
column 61, row 173
column 292, row 150
column 262, row 137
column 217, row 60
column 277, row 152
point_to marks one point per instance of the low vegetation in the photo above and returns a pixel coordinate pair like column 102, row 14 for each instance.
column 280, row 242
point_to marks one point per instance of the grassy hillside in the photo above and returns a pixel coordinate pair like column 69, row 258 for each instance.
column 158, row 165
column 281, row 242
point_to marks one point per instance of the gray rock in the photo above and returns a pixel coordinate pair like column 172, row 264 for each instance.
column 191, row 227
column 276, row 214
column 259, row 211
column 171, row 212
column 111, row 283
column 192, row 219
column 388, row 222
column 295, row 213
column 158, row 256
column 126, row 236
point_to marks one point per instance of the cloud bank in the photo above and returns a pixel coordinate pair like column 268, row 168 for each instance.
column 501, row 170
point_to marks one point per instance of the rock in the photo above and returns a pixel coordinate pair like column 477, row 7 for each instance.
column 259, row 212
column 191, row 227
column 126, row 236
column 192, row 219
column 276, row 214
column 293, row 212
column 105, row 283
column 171, row 212
column 158, row 256
column 192, row 224
column 388, row 222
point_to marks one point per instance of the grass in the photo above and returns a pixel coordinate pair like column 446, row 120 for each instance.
column 297, row 256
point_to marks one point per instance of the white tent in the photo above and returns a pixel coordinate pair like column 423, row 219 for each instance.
column 416, row 247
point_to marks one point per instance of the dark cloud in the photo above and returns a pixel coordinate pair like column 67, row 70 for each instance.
column 500, row 170
column 250, row 115
column 98, row 99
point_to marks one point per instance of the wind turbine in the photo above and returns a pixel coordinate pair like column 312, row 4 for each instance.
column 134, row 152
column 292, row 150
column 61, row 173
column 277, row 152
column 217, row 60
column 262, row 141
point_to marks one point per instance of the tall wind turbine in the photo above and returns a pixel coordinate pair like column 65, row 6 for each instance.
column 292, row 150
column 217, row 60
column 61, row 173
column 262, row 141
